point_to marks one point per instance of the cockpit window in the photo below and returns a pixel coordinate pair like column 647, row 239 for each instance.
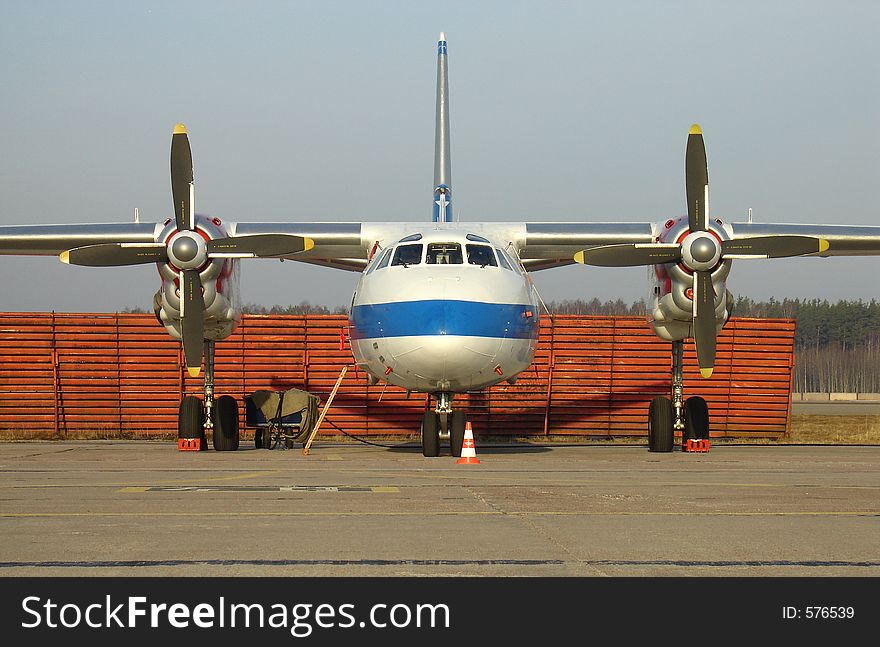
column 502, row 259
column 384, row 261
column 444, row 254
column 407, row 255
column 374, row 262
column 481, row 255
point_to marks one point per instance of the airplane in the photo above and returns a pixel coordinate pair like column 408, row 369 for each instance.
column 440, row 307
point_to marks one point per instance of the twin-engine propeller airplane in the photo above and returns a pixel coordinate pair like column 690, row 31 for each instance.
column 440, row 307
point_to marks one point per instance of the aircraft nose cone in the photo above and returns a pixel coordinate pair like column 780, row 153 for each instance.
column 703, row 249
column 184, row 249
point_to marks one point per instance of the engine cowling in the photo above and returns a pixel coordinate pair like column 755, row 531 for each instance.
column 219, row 279
column 670, row 304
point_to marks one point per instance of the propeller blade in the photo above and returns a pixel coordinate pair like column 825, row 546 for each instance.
column 182, row 189
column 261, row 245
column 192, row 308
column 696, row 175
column 115, row 254
column 773, row 246
column 629, row 254
column 704, row 322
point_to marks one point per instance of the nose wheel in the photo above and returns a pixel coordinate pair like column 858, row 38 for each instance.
column 431, row 434
column 443, row 423
column 666, row 416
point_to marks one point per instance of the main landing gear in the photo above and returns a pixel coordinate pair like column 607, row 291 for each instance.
column 443, row 423
column 197, row 418
column 667, row 416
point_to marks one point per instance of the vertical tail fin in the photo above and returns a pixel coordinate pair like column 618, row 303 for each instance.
column 442, row 163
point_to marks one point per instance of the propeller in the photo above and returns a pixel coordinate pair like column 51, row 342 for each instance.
column 192, row 320
column 192, row 301
column 118, row 254
column 700, row 251
column 635, row 254
column 182, row 186
column 187, row 250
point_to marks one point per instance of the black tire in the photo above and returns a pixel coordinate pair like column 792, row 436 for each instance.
column 696, row 418
column 225, row 417
column 191, row 418
column 456, row 432
column 660, row 421
column 266, row 433
column 258, row 439
column 431, row 434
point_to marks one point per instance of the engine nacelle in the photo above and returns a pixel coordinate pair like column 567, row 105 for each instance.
column 670, row 305
column 219, row 278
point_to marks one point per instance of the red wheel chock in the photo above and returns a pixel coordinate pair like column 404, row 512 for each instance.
column 189, row 444
column 700, row 445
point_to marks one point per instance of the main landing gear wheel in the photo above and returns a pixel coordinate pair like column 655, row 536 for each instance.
column 431, row 434
column 660, row 425
column 191, row 419
column 696, row 418
column 456, row 432
column 225, row 418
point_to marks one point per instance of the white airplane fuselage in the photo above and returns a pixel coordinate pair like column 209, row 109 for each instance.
column 444, row 311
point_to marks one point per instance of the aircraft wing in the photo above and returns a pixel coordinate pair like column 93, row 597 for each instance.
column 843, row 240
column 542, row 245
column 337, row 244
column 51, row 240
column 553, row 244
column 346, row 245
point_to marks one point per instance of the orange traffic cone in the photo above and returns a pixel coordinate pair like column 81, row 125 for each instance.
column 468, row 449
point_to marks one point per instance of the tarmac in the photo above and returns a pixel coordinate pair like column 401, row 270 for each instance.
column 141, row 508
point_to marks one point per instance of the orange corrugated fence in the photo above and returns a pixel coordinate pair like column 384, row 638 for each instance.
column 592, row 376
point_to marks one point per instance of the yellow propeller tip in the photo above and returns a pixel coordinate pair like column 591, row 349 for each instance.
column 194, row 371
column 179, row 129
column 823, row 245
column 64, row 257
column 308, row 244
column 706, row 372
column 696, row 130
column 579, row 258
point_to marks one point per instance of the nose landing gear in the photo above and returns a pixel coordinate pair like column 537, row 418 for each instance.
column 689, row 417
column 442, row 423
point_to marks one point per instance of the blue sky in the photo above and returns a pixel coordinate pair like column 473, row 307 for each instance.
column 325, row 111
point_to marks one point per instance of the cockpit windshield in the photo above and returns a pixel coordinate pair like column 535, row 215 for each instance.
column 481, row 255
column 407, row 255
column 444, row 254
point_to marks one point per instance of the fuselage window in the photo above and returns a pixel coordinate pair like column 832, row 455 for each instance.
column 444, row 254
column 384, row 260
column 407, row 255
column 502, row 259
column 481, row 255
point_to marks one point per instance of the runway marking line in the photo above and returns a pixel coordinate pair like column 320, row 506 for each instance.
column 37, row 515
column 382, row 489
column 486, row 481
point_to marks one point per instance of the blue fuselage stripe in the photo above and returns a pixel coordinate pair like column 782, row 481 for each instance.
column 444, row 317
